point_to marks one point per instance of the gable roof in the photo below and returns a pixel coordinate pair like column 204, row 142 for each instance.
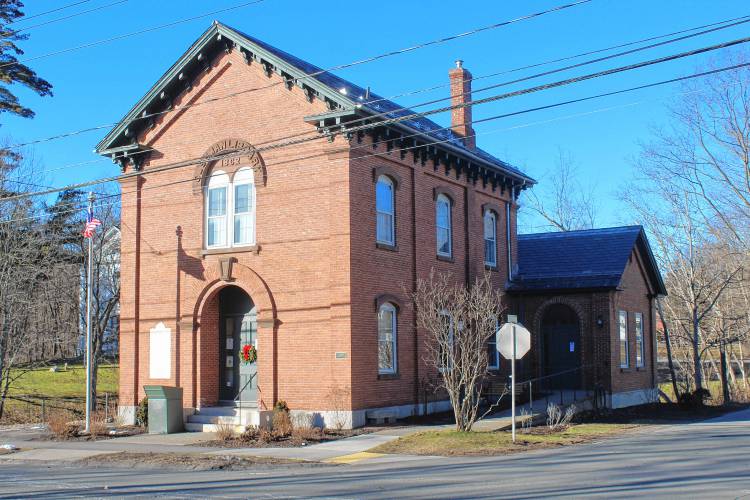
column 341, row 93
column 587, row 259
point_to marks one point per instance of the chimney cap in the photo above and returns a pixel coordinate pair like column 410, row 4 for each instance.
column 459, row 63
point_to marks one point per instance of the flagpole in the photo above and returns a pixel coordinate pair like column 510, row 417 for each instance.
column 88, row 320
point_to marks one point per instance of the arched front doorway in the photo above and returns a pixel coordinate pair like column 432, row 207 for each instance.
column 237, row 327
column 561, row 341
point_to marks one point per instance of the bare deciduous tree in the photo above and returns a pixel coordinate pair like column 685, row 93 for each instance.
column 566, row 205
column 458, row 320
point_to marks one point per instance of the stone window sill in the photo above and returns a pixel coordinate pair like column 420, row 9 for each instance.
column 388, row 376
column 491, row 268
column 445, row 258
column 625, row 369
column 386, row 246
column 230, row 250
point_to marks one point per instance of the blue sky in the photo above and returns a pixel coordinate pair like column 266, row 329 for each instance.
column 98, row 85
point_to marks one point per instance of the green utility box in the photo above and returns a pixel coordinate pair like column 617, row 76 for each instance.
column 164, row 409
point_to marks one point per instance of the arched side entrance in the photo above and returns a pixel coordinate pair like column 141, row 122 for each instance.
column 238, row 327
column 561, row 347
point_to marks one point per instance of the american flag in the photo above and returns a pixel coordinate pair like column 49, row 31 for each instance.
column 91, row 223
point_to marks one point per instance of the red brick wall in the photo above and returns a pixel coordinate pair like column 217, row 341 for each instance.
column 633, row 297
column 377, row 271
column 300, row 276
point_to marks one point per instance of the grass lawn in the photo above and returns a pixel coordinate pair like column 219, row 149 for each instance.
column 70, row 383
column 453, row 443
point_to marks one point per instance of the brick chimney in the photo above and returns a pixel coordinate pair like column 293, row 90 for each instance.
column 461, row 93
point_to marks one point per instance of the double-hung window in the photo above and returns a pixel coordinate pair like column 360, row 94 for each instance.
column 387, row 330
column 230, row 209
column 443, row 226
column 216, row 210
column 640, row 352
column 623, row 327
column 445, row 349
column 490, row 238
column 384, row 206
column 493, row 357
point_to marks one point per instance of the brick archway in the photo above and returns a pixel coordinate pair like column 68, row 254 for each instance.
column 583, row 325
column 206, row 335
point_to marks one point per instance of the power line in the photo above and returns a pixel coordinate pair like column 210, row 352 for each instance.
column 237, row 93
column 377, row 154
column 51, row 21
column 132, row 33
column 307, row 76
column 25, row 18
column 194, row 161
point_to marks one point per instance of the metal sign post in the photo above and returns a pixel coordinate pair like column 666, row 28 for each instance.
column 513, row 342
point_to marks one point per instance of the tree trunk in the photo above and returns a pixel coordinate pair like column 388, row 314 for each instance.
column 697, row 366
column 724, row 381
column 668, row 343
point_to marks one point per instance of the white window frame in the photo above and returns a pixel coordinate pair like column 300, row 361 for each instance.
column 220, row 179
column 640, row 350
column 443, row 199
column 622, row 327
column 394, row 340
column 490, row 238
column 384, row 179
column 494, row 364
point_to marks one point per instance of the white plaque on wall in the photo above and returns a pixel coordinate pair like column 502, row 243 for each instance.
column 160, row 352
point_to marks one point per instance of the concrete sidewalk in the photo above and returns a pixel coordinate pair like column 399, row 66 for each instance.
column 347, row 450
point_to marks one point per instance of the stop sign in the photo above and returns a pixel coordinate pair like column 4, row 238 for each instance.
column 505, row 340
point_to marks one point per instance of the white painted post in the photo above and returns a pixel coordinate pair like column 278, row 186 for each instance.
column 88, row 324
column 513, row 387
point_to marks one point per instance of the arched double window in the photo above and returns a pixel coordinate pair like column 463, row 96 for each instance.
column 490, row 238
column 385, row 208
column 387, row 333
column 230, row 209
column 443, row 225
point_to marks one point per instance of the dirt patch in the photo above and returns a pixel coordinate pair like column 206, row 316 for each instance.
column 76, row 435
column 189, row 461
column 293, row 441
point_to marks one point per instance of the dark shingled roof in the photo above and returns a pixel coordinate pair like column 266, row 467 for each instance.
column 378, row 104
column 594, row 258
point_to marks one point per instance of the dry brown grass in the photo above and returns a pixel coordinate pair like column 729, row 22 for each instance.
column 224, row 431
column 60, row 425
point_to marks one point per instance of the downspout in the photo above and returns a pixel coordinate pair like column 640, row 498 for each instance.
column 509, row 250
column 414, row 287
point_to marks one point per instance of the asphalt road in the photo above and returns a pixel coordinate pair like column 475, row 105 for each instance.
column 704, row 460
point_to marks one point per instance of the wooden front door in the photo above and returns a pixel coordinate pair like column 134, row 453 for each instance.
column 238, row 381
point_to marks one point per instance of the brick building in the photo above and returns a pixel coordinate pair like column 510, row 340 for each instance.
column 268, row 202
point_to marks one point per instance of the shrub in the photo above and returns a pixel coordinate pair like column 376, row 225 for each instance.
column 224, row 431
column 98, row 425
column 141, row 413
column 281, row 406
column 556, row 419
column 282, row 424
column 526, row 419
column 694, row 399
column 251, row 433
column 300, row 434
column 60, row 426
column 264, row 436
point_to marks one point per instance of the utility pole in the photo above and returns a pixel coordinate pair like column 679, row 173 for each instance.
column 89, row 282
